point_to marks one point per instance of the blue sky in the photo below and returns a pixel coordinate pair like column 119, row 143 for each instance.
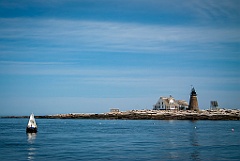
column 92, row 55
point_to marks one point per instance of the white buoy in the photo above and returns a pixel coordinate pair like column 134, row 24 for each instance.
column 232, row 130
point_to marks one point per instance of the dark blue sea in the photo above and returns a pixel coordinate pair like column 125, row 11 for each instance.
column 141, row 140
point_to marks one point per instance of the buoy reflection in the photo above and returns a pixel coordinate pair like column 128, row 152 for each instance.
column 31, row 137
column 31, row 150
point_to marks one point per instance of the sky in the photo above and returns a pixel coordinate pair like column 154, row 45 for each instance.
column 87, row 56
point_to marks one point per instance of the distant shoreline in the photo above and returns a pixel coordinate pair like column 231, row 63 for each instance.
column 148, row 115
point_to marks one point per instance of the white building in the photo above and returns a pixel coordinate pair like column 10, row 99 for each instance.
column 169, row 103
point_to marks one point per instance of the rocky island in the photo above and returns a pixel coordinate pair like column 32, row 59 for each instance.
column 155, row 115
column 221, row 114
column 164, row 109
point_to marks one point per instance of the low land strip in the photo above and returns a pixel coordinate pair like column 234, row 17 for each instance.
column 150, row 115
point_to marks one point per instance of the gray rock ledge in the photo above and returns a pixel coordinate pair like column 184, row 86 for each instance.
column 150, row 115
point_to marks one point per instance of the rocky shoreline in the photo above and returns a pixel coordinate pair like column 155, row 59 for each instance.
column 149, row 115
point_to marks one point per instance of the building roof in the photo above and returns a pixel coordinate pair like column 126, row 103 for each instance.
column 182, row 102
column 171, row 101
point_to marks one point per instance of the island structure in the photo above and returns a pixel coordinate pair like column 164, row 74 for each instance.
column 166, row 108
column 170, row 103
column 193, row 102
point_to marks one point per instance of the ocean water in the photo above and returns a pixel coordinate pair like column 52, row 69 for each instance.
column 150, row 140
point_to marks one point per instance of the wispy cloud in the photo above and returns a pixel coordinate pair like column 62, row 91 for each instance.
column 70, row 74
column 110, row 36
column 72, row 68
column 220, row 11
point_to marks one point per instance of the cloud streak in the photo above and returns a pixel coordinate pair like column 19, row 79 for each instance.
column 113, row 37
column 221, row 11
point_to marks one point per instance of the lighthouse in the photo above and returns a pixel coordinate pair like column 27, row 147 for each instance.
column 193, row 103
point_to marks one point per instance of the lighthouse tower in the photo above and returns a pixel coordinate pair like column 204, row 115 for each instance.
column 193, row 103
